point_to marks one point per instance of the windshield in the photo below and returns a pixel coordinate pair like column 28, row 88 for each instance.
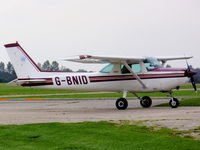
column 152, row 63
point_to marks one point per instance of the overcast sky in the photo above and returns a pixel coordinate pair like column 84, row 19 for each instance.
column 55, row 29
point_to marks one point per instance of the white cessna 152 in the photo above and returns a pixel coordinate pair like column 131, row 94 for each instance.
column 122, row 74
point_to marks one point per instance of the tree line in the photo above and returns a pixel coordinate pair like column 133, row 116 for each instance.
column 7, row 72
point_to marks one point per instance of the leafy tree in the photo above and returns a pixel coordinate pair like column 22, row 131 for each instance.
column 46, row 65
column 55, row 66
column 39, row 65
column 10, row 68
column 8, row 74
column 2, row 67
column 6, row 77
column 82, row 70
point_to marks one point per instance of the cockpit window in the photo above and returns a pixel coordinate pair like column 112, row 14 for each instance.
column 135, row 67
column 107, row 69
column 152, row 63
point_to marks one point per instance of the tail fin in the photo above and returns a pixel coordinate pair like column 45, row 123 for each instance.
column 24, row 66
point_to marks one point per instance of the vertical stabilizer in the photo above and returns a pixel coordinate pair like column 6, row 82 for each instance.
column 24, row 66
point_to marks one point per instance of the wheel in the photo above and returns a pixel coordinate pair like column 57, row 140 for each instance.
column 174, row 102
column 146, row 102
column 121, row 104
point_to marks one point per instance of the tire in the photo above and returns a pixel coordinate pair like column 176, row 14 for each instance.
column 174, row 103
column 121, row 103
column 146, row 102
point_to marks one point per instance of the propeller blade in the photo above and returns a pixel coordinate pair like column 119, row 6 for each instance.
column 187, row 65
column 193, row 83
column 191, row 76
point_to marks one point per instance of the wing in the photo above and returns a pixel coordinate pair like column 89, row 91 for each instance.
column 103, row 59
column 117, row 59
column 166, row 58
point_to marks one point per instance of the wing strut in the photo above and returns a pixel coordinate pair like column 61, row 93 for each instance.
column 134, row 74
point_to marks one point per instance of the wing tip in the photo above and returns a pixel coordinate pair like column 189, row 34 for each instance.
column 84, row 56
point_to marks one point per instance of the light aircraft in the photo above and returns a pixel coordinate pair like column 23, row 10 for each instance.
column 122, row 74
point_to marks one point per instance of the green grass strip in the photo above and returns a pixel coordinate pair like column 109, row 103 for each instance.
column 91, row 136
column 16, row 90
column 6, row 89
column 189, row 86
column 182, row 93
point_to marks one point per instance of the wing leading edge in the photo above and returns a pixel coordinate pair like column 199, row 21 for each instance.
column 167, row 58
column 103, row 59
column 119, row 59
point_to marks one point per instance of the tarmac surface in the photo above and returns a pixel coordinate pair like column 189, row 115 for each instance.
column 79, row 110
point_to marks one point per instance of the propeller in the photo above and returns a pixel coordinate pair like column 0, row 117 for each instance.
column 191, row 74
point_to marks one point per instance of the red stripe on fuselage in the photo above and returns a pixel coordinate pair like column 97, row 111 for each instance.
column 31, row 81
column 130, row 77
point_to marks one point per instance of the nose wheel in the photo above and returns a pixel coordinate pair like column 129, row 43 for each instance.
column 121, row 103
column 174, row 102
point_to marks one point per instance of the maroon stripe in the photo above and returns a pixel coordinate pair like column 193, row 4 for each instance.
column 140, row 75
column 11, row 45
column 36, row 84
column 128, row 79
column 131, row 76
column 35, row 78
column 47, row 81
column 118, row 78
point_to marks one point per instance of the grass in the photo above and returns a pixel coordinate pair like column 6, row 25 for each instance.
column 16, row 90
column 111, row 95
column 186, row 102
column 6, row 89
column 188, row 93
column 91, row 136
column 189, row 86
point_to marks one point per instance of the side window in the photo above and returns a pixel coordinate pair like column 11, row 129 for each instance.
column 124, row 69
column 107, row 69
column 135, row 67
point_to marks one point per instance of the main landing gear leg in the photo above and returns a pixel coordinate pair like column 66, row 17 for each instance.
column 122, row 103
column 145, row 101
column 173, row 102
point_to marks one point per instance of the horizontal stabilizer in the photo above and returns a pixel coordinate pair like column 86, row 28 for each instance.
column 13, row 82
